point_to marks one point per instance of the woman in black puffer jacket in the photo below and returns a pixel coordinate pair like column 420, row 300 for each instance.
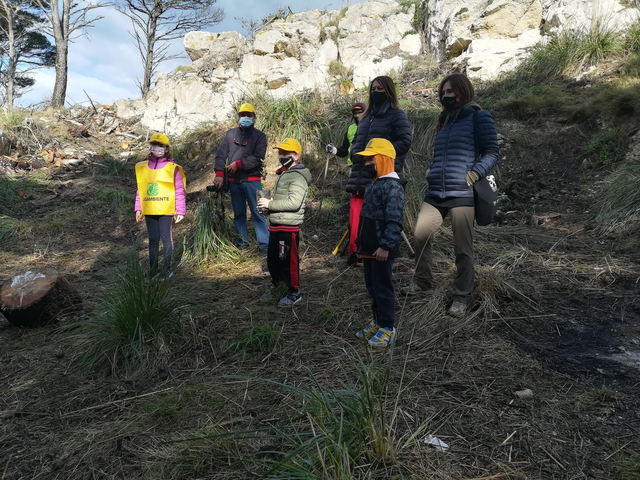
column 382, row 119
column 466, row 149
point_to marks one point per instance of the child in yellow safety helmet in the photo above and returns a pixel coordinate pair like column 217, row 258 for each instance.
column 379, row 236
column 160, row 199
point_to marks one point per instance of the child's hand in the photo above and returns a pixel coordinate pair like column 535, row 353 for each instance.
column 139, row 216
column 179, row 218
column 381, row 254
column 264, row 202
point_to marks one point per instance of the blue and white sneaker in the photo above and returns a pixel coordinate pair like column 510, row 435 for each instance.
column 290, row 299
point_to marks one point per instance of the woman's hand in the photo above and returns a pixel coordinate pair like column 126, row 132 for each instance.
column 264, row 202
column 472, row 177
column 178, row 218
column 139, row 216
column 381, row 254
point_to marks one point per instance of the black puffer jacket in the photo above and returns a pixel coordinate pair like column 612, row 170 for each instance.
column 388, row 123
column 454, row 153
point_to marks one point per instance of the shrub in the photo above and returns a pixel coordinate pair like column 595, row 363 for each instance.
column 298, row 117
column 619, row 205
column 604, row 147
column 569, row 52
column 114, row 167
column 631, row 39
column 461, row 11
column 210, row 236
column 338, row 69
column 12, row 117
column 137, row 320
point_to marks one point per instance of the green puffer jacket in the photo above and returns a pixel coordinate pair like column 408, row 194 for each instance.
column 289, row 195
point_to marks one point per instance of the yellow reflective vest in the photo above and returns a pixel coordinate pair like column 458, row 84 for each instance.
column 157, row 189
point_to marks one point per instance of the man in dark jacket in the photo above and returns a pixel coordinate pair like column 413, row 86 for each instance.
column 240, row 158
column 350, row 134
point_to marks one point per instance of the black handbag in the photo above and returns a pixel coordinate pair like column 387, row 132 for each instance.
column 485, row 190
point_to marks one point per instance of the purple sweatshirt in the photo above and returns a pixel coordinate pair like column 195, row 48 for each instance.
column 181, row 202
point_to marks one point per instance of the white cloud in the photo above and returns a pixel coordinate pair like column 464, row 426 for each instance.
column 106, row 62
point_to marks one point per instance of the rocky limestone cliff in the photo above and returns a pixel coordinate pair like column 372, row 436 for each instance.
column 315, row 50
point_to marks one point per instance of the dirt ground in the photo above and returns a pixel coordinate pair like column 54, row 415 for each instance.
column 557, row 311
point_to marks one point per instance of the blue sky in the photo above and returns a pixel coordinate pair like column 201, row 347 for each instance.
column 106, row 63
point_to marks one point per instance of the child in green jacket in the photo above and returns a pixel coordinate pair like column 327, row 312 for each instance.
column 286, row 214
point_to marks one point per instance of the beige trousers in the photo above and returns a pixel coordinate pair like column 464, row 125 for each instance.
column 429, row 221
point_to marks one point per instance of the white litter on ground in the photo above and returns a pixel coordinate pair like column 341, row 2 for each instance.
column 26, row 277
column 436, row 442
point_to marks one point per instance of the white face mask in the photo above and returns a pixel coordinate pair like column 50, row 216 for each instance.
column 157, row 151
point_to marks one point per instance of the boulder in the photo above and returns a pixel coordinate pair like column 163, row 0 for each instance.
column 411, row 45
column 277, row 83
column 580, row 14
column 200, row 44
column 370, row 69
column 269, row 41
column 488, row 58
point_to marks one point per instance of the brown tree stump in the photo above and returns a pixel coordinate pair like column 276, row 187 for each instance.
column 36, row 297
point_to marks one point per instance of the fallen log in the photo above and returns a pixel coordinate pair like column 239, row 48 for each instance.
column 36, row 297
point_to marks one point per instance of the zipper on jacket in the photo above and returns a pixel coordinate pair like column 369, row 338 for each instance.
column 444, row 160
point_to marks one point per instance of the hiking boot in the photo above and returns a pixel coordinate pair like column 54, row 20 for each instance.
column 414, row 289
column 457, row 309
column 368, row 331
column 383, row 337
column 290, row 299
column 263, row 253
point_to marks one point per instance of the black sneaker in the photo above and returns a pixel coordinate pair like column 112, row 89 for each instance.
column 263, row 252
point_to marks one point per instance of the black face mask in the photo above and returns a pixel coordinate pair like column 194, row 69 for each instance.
column 286, row 161
column 449, row 103
column 370, row 169
column 378, row 98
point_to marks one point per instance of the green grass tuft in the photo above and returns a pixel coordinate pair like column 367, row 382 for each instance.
column 260, row 339
column 210, row 236
column 340, row 431
column 117, row 198
column 136, row 321
column 114, row 167
column 11, row 228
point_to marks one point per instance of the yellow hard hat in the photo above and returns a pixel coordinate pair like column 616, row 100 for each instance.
column 160, row 138
column 246, row 107
column 378, row 146
column 290, row 145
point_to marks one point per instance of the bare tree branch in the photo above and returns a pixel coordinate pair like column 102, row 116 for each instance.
column 157, row 22
column 64, row 20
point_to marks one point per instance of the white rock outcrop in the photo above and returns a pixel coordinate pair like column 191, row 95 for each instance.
column 316, row 50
